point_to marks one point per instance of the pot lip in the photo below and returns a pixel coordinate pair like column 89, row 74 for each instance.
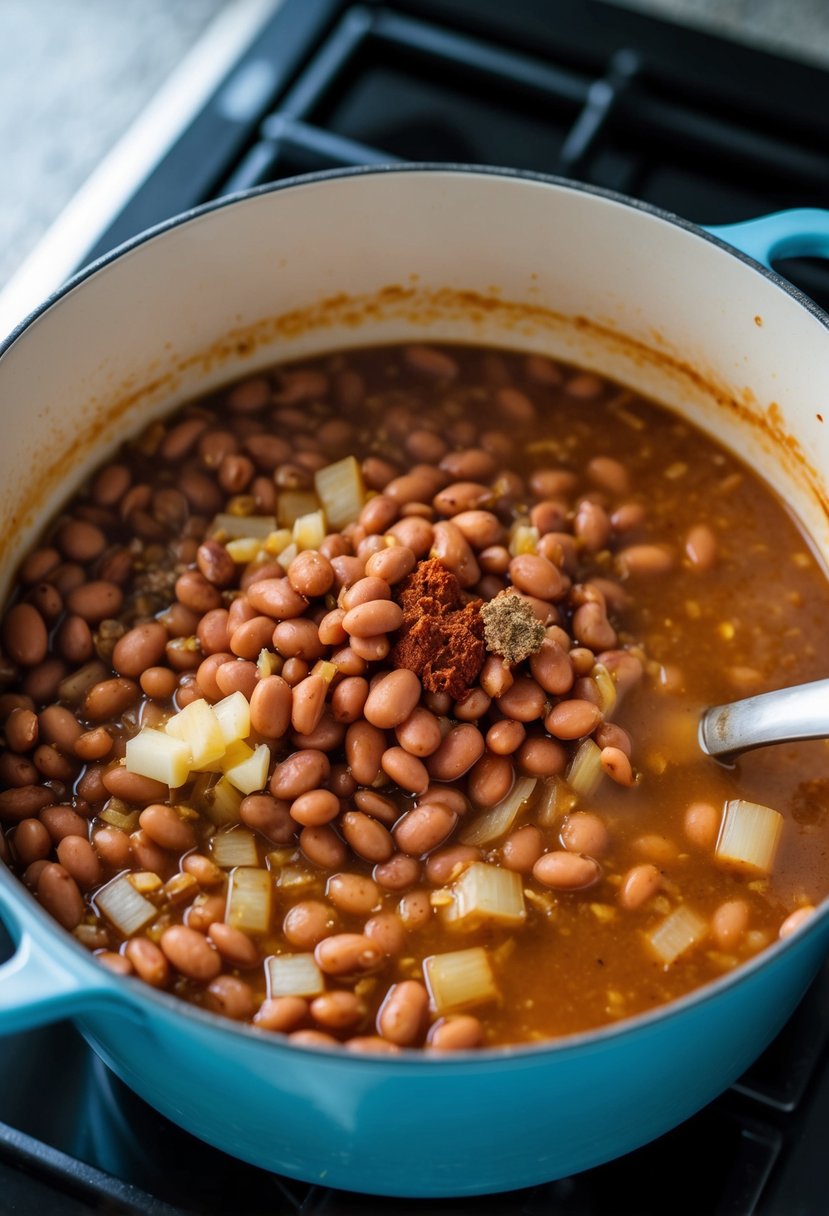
column 493, row 1057
column 436, row 168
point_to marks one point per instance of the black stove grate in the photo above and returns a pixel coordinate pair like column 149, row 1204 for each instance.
column 711, row 130
column 714, row 131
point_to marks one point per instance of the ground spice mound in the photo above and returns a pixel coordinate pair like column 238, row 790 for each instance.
column 510, row 628
column 441, row 638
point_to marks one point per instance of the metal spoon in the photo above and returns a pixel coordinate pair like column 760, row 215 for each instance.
column 783, row 716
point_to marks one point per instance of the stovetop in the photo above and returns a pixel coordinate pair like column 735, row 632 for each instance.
column 695, row 124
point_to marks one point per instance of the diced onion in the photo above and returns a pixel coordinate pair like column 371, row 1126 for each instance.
column 127, row 821
column 324, row 669
column 233, row 714
column 287, row 555
column 221, row 802
column 293, row 503
column 277, row 541
column 309, row 531
column 198, row 727
column 125, row 907
column 490, row 825
column 460, row 979
column 523, row 539
column 245, row 549
column 585, row 771
column 607, row 688
column 234, row 848
column 236, row 526
column 341, row 491
column 485, row 893
column 749, row 836
column 152, row 753
column 251, row 773
column 293, row 975
column 555, row 799
column 249, row 900
column 677, row 933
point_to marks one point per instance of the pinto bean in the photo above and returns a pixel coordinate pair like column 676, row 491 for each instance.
column 109, row 698
column 95, row 601
column 308, row 703
column 537, row 576
column 701, row 547
column 566, row 871
column 645, row 561
column 616, row 764
column 31, row 841
column 364, row 748
column 373, row 618
column 113, row 847
column 451, row 547
column 405, row 769
column 495, row 677
column 522, row 849
column 368, row 838
column 460, row 749
column 523, row 701
column 639, row 884
column 323, row 847
column 702, row 824
column 24, row 635
column 402, row 1016
column 275, row 597
column 301, row 771
column 235, row 947
column 353, row 894
column 79, row 859
column 132, row 787
column 58, row 893
column 730, row 923
column 391, row 564
column 419, row 734
column 540, row 757
column 392, row 698
column 348, row 954
column 423, row 829
column 315, row 807
column 190, row 953
column 573, row 719
column 490, row 779
column 398, row 873
column 585, row 832
column 167, row 829
column 461, row 1032
column 307, row 923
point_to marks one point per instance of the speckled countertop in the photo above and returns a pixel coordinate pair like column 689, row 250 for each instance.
column 75, row 73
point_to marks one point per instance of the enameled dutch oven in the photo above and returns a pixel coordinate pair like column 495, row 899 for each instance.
column 377, row 256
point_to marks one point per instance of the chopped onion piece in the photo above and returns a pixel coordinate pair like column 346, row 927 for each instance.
column 125, row 907
column 490, row 825
column 152, row 753
column 221, row 802
column 749, row 836
column 677, row 933
column 460, row 979
column 233, row 714
column 585, row 771
column 341, row 491
column 245, row 549
column 523, row 539
column 309, row 531
column 324, row 669
column 268, row 663
column 293, row 975
column 555, row 800
column 249, row 900
column 287, row 555
column 277, row 541
column 486, row 893
column 199, row 728
column 607, row 688
column 144, row 881
column 127, row 821
column 234, row 848
column 250, row 774
column 247, row 526
column 293, row 503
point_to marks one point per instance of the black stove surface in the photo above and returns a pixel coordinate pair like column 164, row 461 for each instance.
column 707, row 128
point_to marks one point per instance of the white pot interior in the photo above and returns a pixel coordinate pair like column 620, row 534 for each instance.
column 436, row 255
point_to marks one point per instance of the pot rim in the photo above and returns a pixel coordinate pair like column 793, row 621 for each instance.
column 117, row 988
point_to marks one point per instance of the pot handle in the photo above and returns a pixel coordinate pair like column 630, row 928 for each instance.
column 800, row 232
column 35, row 985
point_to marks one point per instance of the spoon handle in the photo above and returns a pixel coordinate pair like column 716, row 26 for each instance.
column 782, row 716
